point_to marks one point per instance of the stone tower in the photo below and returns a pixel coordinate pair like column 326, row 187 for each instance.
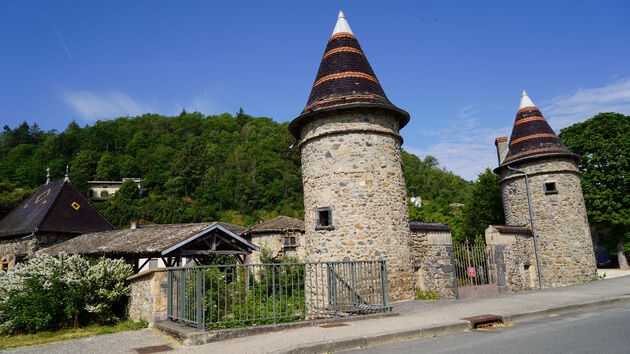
column 355, row 200
column 564, row 239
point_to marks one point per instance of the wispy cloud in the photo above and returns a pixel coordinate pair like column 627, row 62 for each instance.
column 466, row 146
column 565, row 110
column 91, row 106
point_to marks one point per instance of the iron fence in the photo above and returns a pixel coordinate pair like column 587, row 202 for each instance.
column 474, row 264
column 242, row 295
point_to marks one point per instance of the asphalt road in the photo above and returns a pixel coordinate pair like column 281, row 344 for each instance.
column 605, row 330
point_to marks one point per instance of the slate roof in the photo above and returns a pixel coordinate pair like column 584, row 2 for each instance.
column 148, row 240
column 428, row 226
column 345, row 80
column 280, row 224
column 507, row 229
column 55, row 207
column 532, row 137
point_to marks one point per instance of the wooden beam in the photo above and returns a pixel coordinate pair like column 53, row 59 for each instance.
column 188, row 253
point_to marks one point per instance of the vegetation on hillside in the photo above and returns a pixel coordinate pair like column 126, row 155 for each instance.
column 237, row 169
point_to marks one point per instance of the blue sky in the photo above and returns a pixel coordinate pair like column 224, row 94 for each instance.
column 457, row 67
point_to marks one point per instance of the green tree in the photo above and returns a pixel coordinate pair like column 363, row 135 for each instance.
column 484, row 206
column 128, row 190
column 10, row 197
column 604, row 144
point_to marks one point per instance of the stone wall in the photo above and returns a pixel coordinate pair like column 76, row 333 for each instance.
column 351, row 162
column 15, row 248
column 273, row 242
column 519, row 258
column 565, row 245
column 433, row 262
column 148, row 299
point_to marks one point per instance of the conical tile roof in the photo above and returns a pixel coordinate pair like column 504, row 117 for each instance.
column 345, row 77
column 532, row 136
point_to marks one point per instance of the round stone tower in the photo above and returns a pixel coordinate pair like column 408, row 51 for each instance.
column 355, row 200
column 564, row 239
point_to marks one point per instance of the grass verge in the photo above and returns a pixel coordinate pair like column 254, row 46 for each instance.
column 25, row 340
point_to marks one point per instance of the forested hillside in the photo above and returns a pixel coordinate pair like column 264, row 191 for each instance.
column 238, row 169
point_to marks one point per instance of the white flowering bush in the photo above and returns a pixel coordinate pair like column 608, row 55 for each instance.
column 48, row 292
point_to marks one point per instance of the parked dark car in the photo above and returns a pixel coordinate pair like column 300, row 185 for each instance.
column 604, row 259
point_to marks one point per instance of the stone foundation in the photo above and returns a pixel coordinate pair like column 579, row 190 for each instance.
column 433, row 263
column 148, row 298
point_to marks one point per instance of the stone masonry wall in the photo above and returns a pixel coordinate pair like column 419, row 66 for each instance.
column 433, row 262
column 27, row 246
column 565, row 246
column 148, row 299
column 273, row 242
column 519, row 259
column 352, row 163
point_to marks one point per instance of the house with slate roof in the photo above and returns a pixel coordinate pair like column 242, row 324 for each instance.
column 56, row 212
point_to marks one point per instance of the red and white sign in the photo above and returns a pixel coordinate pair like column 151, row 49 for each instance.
column 472, row 272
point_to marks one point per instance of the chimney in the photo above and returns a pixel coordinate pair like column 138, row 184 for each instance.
column 134, row 225
column 501, row 144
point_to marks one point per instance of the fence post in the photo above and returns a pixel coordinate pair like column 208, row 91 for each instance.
column 199, row 300
column 273, row 291
column 384, row 285
column 169, row 294
column 182, row 294
column 353, row 288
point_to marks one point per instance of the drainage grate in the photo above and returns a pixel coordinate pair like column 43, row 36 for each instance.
column 154, row 349
column 331, row 325
column 484, row 321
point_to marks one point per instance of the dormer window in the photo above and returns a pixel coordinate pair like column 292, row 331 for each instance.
column 550, row 188
column 324, row 219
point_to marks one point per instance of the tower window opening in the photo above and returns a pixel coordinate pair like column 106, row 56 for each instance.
column 550, row 188
column 324, row 219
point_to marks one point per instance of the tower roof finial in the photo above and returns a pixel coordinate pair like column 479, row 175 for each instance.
column 342, row 24
column 67, row 178
column 525, row 101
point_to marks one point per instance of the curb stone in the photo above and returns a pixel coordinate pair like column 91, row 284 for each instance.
column 457, row 326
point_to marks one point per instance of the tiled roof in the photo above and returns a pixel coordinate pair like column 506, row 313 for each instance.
column 55, row 207
column 280, row 224
column 345, row 78
column 428, row 226
column 532, row 136
column 512, row 229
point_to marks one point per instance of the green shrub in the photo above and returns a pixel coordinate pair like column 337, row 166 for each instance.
column 426, row 295
column 48, row 293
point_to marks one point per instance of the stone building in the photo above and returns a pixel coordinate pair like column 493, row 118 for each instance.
column 282, row 236
column 516, row 244
column 355, row 200
column 433, row 262
column 56, row 212
column 561, row 224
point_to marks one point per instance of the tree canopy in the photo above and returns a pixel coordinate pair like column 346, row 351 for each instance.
column 604, row 144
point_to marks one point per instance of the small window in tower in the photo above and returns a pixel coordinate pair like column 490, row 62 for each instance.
column 550, row 188
column 324, row 219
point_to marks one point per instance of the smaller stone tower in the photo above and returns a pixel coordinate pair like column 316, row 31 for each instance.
column 564, row 239
column 355, row 200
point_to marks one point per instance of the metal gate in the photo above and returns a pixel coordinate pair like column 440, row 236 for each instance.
column 476, row 270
